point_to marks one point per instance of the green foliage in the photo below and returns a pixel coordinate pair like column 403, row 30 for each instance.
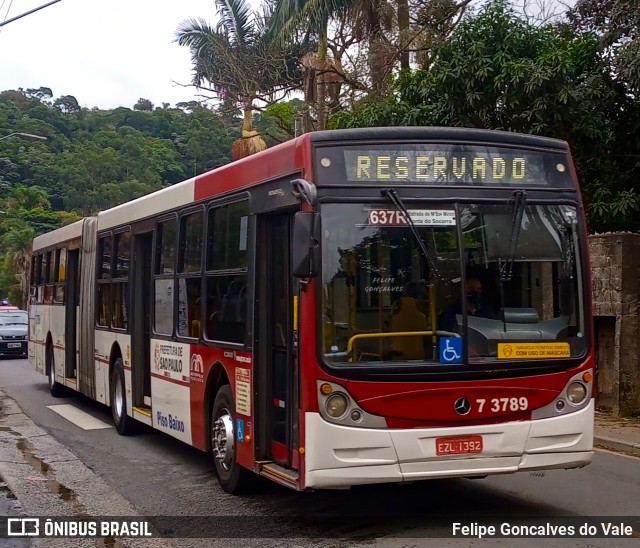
column 277, row 122
column 92, row 160
column 143, row 104
column 67, row 103
column 26, row 213
column 499, row 72
column 616, row 23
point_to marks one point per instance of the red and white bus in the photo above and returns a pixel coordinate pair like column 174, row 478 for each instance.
column 313, row 313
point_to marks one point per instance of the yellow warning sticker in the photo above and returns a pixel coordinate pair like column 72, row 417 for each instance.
column 526, row 351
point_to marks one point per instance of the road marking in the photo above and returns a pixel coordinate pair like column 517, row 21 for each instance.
column 78, row 417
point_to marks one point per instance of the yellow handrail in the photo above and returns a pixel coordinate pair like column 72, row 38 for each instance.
column 433, row 315
column 387, row 334
column 438, row 333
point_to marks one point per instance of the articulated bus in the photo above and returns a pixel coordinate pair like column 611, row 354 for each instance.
column 309, row 313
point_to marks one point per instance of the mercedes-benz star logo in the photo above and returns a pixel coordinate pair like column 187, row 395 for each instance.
column 462, row 406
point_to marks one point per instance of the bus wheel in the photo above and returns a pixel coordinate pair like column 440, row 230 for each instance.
column 56, row 389
column 232, row 477
column 122, row 422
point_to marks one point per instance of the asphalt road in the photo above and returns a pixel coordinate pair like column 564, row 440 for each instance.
column 161, row 476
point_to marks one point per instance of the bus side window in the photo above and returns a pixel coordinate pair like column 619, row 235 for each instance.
column 226, row 264
column 164, row 272
column 103, row 313
column 189, row 274
column 226, row 308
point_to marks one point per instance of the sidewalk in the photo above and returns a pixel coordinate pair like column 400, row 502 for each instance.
column 617, row 434
column 41, row 477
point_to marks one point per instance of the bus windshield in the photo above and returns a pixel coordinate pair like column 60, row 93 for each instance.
column 384, row 301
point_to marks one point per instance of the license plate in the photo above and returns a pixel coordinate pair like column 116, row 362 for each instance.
column 14, row 345
column 460, row 445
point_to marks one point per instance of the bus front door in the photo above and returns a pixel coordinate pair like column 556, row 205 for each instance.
column 277, row 343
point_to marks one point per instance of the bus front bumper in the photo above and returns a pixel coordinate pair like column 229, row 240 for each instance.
column 341, row 456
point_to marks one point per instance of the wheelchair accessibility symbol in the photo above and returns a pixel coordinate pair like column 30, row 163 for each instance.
column 450, row 350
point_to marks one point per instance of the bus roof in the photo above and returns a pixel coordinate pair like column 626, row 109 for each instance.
column 63, row 234
column 287, row 158
column 156, row 203
column 466, row 135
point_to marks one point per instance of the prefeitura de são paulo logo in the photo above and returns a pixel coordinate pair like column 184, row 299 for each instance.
column 197, row 368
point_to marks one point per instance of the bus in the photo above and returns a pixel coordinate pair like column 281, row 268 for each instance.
column 305, row 313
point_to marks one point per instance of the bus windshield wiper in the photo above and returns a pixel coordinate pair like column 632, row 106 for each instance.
column 506, row 265
column 395, row 199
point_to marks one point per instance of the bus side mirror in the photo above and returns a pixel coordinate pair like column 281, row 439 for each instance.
column 305, row 244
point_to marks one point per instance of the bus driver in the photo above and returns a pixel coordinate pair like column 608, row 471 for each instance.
column 474, row 304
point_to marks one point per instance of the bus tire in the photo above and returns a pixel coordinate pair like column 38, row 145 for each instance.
column 55, row 388
column 232, row 477
column 123, row 423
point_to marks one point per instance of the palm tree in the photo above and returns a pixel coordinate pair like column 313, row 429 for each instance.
column 384, row 25
column 371, row 19
column 237, row 62
column 290, row 15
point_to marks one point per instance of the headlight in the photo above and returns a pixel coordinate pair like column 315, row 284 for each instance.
column 336, row 405
column 576, row 392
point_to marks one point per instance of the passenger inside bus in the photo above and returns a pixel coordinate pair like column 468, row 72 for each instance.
column 227, row 314
column 407, row 317
column 474, row 304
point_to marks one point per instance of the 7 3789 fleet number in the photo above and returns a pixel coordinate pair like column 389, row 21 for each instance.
column 501, row 405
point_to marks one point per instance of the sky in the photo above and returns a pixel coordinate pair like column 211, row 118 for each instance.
column 106, row 53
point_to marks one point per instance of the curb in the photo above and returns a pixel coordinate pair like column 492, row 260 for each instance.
column 616, row 445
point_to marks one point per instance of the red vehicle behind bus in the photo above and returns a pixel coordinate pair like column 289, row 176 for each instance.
column 349, row 307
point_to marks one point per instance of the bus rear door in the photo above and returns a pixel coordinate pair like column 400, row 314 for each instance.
column 141, row 320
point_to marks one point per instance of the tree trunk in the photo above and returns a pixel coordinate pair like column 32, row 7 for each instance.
column 378, row 64
column 321, row 106
column 250, row 142
column 403, row 32
column 247, row 120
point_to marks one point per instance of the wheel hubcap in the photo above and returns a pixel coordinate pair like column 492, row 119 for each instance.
column 222, row 440
column 52, row 374
column 117, row 397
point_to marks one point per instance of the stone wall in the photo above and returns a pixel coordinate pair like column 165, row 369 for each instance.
column 615, row 267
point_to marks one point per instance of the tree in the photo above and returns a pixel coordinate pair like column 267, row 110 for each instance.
column 67, row 103
column 42, row 94
column 239, row 64
column 25, row 213
column 617, row 24
column 313, row 18
column 278, row 121
column 361, row 44
column 500, row 72
column 93, row 159
column 143, row 104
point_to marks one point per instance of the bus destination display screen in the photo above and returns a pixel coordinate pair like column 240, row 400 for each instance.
column 440, row 164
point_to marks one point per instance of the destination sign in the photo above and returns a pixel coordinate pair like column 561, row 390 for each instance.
column 441, row 164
